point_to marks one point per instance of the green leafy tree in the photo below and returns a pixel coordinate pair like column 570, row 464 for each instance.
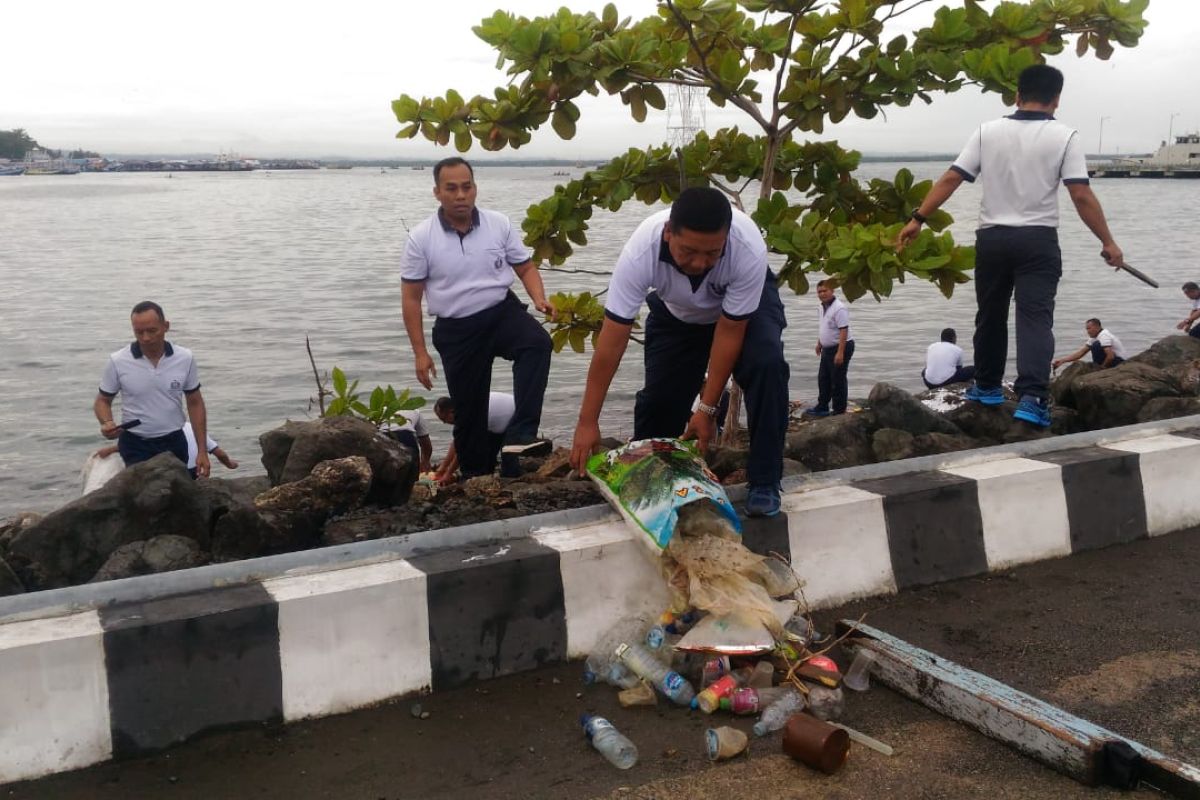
column 791, row 67
column 14, row 143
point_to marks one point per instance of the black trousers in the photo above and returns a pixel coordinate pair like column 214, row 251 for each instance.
column 676, row 358
column 961, row 375
column 468, row 346
column 1027, row 263
column 1098, row 355
column 833, row 388
column 135, row 449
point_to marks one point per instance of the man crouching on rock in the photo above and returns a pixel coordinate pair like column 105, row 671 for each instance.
column 153, row 377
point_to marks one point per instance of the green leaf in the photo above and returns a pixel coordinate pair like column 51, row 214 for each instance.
column 339, row 381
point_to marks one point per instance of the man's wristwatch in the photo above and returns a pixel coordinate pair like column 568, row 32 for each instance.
column 705, row 408
column 918, row 216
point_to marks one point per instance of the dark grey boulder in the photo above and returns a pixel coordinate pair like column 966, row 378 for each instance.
column 1062, row 388
column 930, row 444
column 832, row 442
column 9, row 582
column 895, row 408
column 1169, row 408
column 165, row 553
column 725, row 460
column 69, row 545
column 292, row 450
column 992, row 425
column 1108, row 398
column 891, row 444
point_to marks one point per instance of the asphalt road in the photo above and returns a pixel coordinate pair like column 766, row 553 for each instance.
column 1112, row 635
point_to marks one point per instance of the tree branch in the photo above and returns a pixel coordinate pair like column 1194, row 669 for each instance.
column 783, row 67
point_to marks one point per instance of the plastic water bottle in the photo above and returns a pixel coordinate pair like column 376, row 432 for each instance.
column 620, row 752
column 643, row 664
column 602, row 665
column 750, row 700
column 778, row 713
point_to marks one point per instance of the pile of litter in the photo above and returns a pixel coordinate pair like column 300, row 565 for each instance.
column 737, row 626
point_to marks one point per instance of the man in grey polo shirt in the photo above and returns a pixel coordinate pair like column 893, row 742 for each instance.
column 701, row 267
column 462, row 261
column 1021, row 158
column 155, row 379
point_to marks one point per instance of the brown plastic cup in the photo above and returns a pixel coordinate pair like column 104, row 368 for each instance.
column 816, row 743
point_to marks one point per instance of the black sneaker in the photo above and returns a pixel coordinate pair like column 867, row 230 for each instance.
column 530, row 447
column 510, row 465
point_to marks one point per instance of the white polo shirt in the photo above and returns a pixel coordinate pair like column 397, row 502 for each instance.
column 463, row 273
column 942, row 360
column 210, row 444
column 1106, row 339
column 733, row 286
column 414, row 422
column 834, row 317
column 1022, row 158
column 149, row 392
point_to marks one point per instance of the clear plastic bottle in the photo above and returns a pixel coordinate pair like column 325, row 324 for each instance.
column 602, row 665
column 620, row 752
column 643, row 664
column 750, row 700
column 825, row 703
column 777, row 714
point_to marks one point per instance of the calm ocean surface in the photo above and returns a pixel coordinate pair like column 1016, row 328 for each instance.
column 246, row 265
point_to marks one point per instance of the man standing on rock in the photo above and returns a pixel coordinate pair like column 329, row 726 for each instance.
column 1106, row 349
column 155, row 380
column 835, row 347
column 462, row 261
column 702, row 268
column 1021, row 158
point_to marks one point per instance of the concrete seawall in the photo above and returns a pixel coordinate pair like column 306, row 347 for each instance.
column 122, row 668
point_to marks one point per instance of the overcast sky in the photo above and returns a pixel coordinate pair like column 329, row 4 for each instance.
column 309, row 79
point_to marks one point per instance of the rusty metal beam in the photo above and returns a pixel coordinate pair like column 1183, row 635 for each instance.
column 1064, row 742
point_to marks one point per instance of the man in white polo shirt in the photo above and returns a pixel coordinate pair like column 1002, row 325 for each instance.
column 944, row 362
column 1106, row 349
column 501, row 406
column 1191, row 290
column 835, row 348
column 1021, row 158
column 702, row 269
column 462, row 261
column 155, row 379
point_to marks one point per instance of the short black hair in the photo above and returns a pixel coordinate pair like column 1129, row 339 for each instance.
column 701, row 208
column 148, row 305
column 1099, row 324
column 1040, row 83
column 1191, row 286
column 443, row 406
column 826, row 282
column 452, row 161
column 949, row 335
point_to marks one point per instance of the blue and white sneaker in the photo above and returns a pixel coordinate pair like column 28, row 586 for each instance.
column 1033, row 410
column 993, row 396
column 816, row 411
column 763, row 501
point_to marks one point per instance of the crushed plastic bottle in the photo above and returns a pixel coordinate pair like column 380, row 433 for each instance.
column 825, row 703
column 749, row 700
column 643, row 664
column 714, row 670
column 777, row 714
column 620, row 752
column 602, row 666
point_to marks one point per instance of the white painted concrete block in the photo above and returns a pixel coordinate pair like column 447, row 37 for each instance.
column 1024, row 510
column 607, row 575
column 351, row 637
column 53, row 696
column 1169, row 466
column 839, row 543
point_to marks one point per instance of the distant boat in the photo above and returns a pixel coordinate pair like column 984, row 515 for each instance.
column 418, row 167
column 12, row 171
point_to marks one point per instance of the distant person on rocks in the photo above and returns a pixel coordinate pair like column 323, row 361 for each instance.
column 835, row 347
column 701, row 267
column 1021, row 158
column 944, row 362
column 1189, row 323
column 414, row 435
column 155, row 379
column 462, row 261
column 501, row 407
column 1106, row 349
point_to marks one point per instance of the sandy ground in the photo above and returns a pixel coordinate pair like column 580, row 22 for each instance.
column 1112, row 635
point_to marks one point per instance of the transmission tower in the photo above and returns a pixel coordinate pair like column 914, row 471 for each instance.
column 685, row 114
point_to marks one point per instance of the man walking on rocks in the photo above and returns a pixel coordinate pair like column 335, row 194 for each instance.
column 714, row 305
column 461, row 261
column 1021, row 158
column 155, row 380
